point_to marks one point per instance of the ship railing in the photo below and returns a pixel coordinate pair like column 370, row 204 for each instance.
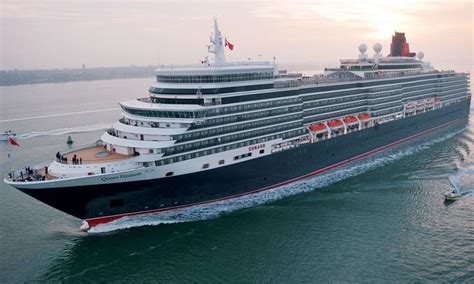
column 322, row 79
column 83, row 147
column 31, row 173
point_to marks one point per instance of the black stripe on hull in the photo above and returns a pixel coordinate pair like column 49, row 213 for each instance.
column 105, row 200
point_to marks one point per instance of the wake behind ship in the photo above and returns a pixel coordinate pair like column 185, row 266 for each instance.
column 218, row 131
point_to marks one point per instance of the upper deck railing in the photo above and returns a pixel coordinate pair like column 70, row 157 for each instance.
column 321, row 79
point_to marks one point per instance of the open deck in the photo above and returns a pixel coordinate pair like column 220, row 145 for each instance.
column 94, row 155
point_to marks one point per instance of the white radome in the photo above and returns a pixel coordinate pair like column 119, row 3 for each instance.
column 420, row 55
column 363, row 48
column 377, row 47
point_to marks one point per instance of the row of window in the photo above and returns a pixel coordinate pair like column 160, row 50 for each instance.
column 209, row 91
column 420, row 91
column 452, row 86
column 330, row 95
column 459, row 89
column 210, row 112
column 384, row 94
column 384, row 100
column 387, row 111
column 247, row 116
column 395, row 104
column 452, row 78
column 420, row 97
column 383, row 88
column 160, row 113
column 170, row 101
column 454, row 95
column 251, row 106
column 203, row 153
column 420, row 87
column 207, row 132
column 259, row 96
column 420, row 83
column 246, row 155
column 229, row 138
column 334, row 100
column 334, row 107
column 215, row 78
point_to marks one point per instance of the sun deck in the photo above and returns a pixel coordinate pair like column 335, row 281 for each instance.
column 93, row 155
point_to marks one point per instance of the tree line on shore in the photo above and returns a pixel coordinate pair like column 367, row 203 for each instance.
column 20, row 77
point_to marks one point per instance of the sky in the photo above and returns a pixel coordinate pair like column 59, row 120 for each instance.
column 46, row 34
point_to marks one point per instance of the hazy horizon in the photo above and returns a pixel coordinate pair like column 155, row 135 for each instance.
column 48, row 34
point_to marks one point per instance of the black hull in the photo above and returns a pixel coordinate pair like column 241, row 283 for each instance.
column 167, row 193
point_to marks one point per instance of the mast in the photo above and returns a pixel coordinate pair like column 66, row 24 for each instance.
column 217, row 46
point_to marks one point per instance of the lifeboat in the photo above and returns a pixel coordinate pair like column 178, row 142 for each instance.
column 410, row 106
column 420, row 105
column 437, row 101
column 350, row 120
column 317, row 127
column 364, row 116
column 335, row 124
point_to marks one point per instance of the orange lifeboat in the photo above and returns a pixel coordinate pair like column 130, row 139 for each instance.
column 364, row 116
column 350, row 120
column 317, row 127
column 335, row 123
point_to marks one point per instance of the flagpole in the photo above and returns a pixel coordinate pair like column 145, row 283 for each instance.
column 12, row 142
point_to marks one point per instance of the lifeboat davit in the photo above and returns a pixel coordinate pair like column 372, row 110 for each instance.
column 420, row 104
column 409, row 108
column 364, row 116
column 318, row 127
column 335, row 123
column 350, row 120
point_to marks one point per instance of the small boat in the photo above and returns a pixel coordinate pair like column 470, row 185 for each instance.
column 349, row 120
column 335, row 124
column 364, row 116
column 318, row 127
column 4, row 136
column 452, row 195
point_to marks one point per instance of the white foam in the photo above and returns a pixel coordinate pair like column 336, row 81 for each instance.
column 57, row 115
column 463, row 178
column 62, row 131
column 208, row 211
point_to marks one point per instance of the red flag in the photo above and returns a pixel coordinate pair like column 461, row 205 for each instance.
column 12, row 141
column 229, row 45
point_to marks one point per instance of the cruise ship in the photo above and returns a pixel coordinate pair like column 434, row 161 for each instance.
column 218, row 130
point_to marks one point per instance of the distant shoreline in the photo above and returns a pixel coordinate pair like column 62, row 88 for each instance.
column 24, row 77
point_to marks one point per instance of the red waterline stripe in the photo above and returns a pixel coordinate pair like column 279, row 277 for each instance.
column 101, row 220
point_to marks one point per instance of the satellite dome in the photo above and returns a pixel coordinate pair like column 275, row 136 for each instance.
column 363, row 48
column 420, row 55
column 377, row 47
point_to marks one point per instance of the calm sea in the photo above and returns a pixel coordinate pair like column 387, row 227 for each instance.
column 382, row 219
